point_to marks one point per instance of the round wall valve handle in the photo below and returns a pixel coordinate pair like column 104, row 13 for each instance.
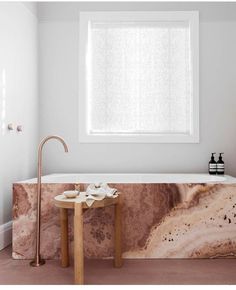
column 19, row 128
column 10, row 127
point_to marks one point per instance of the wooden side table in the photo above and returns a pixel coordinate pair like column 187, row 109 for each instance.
column 64, row 204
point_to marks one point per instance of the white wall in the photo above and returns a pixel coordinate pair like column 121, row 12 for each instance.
column 18, row 101
column 59, row 94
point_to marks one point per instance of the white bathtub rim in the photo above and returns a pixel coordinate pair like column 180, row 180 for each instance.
column 132, row 178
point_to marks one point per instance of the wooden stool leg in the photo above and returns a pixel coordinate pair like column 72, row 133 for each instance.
column 118, row 246
column 64, row 237
column 78, row 244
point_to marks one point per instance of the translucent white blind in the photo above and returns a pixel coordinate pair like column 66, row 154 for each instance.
column 139, row 78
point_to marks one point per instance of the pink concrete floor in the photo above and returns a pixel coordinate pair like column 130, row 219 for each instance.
column 205, row 271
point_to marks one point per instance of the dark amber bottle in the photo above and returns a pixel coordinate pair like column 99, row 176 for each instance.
column 212, row 165
column 220, row 165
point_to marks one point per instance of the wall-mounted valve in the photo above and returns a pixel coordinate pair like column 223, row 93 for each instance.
column 19, row 128
column 10, row 127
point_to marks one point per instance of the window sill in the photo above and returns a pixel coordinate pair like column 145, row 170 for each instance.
column 150, row 138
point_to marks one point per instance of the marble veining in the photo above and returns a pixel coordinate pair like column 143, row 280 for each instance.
column 165, row 220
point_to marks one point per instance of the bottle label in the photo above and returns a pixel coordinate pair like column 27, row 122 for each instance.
column 212, row 168
column 212, row 165
column 220, row 168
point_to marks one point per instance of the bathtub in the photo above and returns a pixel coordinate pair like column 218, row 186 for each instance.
column 163, row 216
column 133, row 178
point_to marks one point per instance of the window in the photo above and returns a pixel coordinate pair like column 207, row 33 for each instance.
column 138, row 77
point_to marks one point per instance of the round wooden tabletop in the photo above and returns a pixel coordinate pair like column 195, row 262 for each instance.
column 63, row 202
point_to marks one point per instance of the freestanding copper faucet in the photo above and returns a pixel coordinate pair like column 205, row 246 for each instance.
column 38, row 261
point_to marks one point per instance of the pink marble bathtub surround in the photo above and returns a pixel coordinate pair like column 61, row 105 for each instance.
column 202, row 226
column 144, row 206
column 24, row 220
column 158, row 221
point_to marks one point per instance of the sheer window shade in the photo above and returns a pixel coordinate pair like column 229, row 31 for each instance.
column 139, row 78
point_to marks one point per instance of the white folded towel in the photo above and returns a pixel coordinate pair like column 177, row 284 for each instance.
column 101, row 190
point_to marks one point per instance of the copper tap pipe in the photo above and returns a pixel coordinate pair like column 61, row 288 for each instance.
column 38, row 261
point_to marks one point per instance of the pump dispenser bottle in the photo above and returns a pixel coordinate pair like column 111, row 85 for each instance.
column 220, row 166
column 212, row 165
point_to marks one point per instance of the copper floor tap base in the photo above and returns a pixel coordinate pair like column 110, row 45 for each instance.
column 37, row 264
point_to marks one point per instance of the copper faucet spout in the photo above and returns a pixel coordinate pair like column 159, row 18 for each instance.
column 53, row 137
column 38, row 261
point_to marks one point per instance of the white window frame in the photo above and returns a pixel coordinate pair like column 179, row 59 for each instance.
column 85, row 18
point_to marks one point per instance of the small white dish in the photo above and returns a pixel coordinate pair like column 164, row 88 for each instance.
column 71, row 193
